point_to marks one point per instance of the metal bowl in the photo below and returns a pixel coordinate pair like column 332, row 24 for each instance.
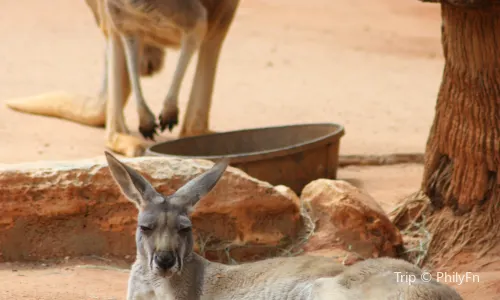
column 292, row 155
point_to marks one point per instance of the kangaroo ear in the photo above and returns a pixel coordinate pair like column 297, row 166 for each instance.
column 132, row 184
column 191, row 192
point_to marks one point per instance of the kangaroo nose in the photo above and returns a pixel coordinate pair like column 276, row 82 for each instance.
column 165, row 260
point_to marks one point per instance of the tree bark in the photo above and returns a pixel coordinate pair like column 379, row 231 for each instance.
column 462, row 157
column 463, row 150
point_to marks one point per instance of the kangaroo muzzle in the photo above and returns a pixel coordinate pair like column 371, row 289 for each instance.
column 165, row 260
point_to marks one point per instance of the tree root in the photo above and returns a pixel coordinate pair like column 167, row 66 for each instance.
column 411, row 211
column 380, row 160
column 475, row 232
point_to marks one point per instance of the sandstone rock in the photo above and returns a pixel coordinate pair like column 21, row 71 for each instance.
column 350, row 219
column 58, row 209
column 287, row 192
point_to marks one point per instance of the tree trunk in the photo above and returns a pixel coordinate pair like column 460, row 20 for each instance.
column 462, row 157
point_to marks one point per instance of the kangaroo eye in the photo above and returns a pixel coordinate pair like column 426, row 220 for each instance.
column 145, row 229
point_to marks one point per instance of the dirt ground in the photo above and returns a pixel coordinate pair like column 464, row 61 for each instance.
column 373, row 66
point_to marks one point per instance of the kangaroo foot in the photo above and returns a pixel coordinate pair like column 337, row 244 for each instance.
column 169, row 117
column 80, row 109
column 126, row 145
column 148, row 126
column 149, row 131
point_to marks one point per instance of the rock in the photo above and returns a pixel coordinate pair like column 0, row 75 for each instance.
column 287, row 192
column 350, row 219
column 59, row 209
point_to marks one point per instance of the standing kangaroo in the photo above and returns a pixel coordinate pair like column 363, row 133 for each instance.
column 191, row 25
column 166, row 266
column 136, row 32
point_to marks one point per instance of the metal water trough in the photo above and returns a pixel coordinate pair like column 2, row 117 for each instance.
column 292, row 155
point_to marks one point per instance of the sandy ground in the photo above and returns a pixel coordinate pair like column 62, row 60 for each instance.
column 373, row 66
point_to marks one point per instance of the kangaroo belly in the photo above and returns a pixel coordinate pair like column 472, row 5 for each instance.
column 290, row 289
column 328, row 288
column 148, row 23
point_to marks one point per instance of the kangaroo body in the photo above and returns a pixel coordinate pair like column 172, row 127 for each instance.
column 166, row 266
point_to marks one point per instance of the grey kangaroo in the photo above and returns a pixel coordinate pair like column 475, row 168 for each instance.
column 166, row 266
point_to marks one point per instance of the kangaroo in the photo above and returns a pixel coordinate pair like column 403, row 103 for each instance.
column 137, row 32
column 167, row 267
column 189, row 25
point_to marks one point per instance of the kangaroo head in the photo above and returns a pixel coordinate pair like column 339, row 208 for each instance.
column 163, row 236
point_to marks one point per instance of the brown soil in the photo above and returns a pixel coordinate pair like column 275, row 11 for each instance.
column 373, row 66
